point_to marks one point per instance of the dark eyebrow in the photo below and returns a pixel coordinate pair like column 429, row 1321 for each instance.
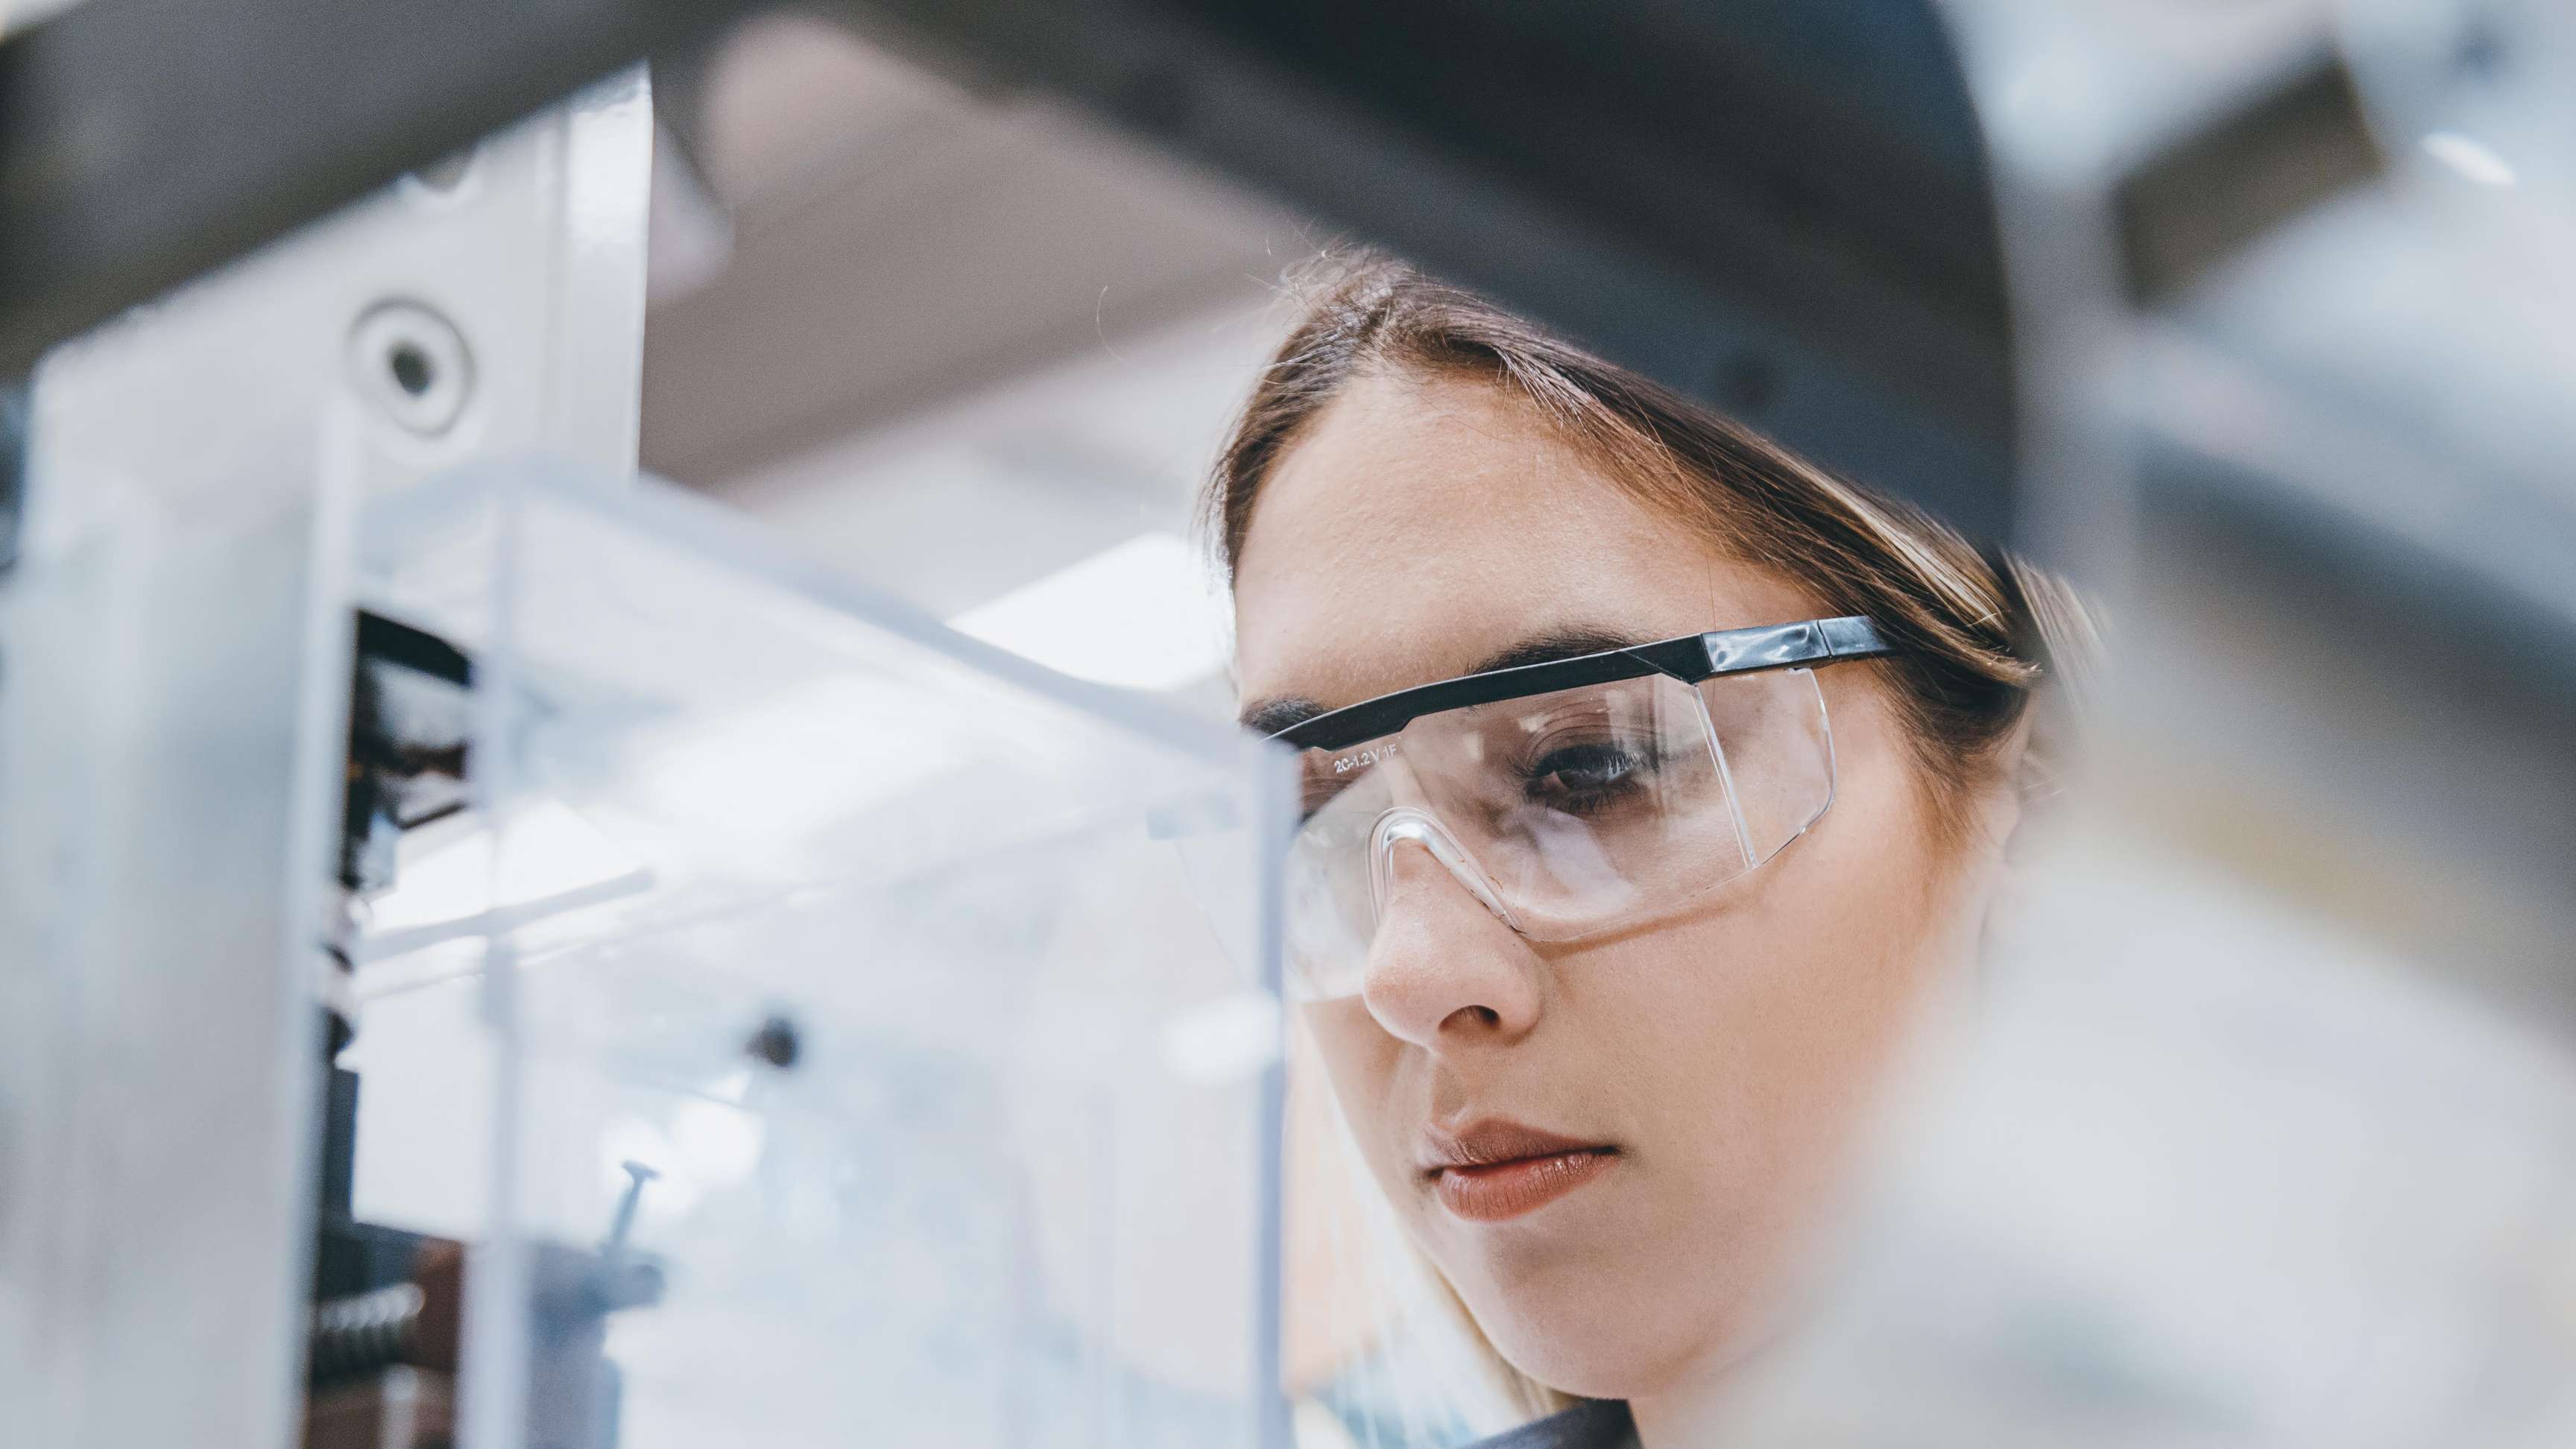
column 1556, row 644
column 1270, row 716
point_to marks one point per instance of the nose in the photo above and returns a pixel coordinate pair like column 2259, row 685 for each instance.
column 1444, row 971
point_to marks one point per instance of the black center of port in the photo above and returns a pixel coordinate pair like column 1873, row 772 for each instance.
column 411, row 369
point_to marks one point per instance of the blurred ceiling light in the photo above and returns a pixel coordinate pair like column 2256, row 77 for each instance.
column 2470, row 157
column 1142, row 615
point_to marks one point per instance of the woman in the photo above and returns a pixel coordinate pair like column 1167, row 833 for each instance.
column 1602, row 986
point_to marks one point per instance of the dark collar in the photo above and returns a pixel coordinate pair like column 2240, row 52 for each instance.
column 1599, row 1424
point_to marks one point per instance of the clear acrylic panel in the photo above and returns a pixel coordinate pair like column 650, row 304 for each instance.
column 869, row 1069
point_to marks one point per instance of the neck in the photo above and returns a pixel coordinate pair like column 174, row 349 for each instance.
column 1688, row 1413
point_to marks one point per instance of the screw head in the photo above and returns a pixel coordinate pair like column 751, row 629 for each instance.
column 413, row 365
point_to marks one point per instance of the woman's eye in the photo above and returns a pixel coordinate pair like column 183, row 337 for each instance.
column 1582, row 778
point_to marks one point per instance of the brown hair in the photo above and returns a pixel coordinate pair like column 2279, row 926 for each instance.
column 1974, row 632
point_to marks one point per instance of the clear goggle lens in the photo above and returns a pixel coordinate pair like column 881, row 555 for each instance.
column 1565, row 814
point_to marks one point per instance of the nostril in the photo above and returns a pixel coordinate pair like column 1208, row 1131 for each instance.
column 1447, row 991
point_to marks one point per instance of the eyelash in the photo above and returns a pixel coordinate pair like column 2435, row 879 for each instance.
column 1629, row 766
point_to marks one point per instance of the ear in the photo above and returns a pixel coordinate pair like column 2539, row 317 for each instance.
column 2003, row 847
column 2020, row 781
column 2003, row 826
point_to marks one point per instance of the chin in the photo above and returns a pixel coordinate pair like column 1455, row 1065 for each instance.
column 1603, row 1330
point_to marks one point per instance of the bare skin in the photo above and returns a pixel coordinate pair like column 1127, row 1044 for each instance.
column 1418, row 528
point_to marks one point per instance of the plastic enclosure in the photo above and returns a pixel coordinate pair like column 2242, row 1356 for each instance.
column 957, row 1120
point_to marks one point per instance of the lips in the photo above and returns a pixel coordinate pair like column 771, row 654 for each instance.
column 1494, row 1170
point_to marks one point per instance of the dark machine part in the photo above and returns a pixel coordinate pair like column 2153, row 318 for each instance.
column 2209, row 195
column 368, row 1331
column 380, row 1359
column 13, row 471
column 382, row 1363
column 401, row 1407
column 387, row 1304
column 410, row 695
column 381, row 1355
column 383, row 1360
column 351, row 1258
column 410, row 703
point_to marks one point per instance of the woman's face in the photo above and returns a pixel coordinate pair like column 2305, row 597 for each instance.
column 1722, row 1057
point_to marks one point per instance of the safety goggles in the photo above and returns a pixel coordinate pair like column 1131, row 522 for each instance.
column 1572, row 798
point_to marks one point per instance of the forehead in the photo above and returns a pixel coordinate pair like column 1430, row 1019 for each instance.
column 1420, row 525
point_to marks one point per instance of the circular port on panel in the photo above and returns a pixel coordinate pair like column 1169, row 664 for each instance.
column 412, row 370
column 412, row 364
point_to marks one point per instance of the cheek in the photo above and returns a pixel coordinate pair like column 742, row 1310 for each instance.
column 1750, row 1039
column 1360, row 1062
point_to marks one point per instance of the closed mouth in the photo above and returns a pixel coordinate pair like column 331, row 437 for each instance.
column 1496, row 1170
